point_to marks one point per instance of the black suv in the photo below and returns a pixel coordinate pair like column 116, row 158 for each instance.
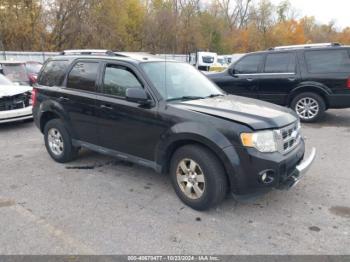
column 169, row 117
column 308, row 78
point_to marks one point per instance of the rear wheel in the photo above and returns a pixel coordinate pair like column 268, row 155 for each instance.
column 310, row 107
column 198, row 177
column 58, row 142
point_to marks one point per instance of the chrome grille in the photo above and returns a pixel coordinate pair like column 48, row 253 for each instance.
column 288, row 138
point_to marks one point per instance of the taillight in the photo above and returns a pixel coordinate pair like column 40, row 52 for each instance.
column 33, row 79
column 34, row 96
column 348, row 83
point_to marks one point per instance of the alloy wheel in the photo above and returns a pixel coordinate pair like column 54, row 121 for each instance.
column 55, row 141
column 190, row 179
column 307, row 108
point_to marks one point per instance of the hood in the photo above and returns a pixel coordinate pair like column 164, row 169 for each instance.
column 12, row 90
column 254, row 113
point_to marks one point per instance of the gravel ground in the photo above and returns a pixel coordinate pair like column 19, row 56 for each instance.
column 99, row 205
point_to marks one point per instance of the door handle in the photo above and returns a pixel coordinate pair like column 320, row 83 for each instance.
column 63, row 99
column 107, row 107
column 292, row 79
column 250, row 79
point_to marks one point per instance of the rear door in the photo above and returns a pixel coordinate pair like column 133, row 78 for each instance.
column 330, row 67
column 280, row 75
column 243, row 79
column 79, row 99
column 123, row 126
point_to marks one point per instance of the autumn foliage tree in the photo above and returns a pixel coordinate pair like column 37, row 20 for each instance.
column 158, row 26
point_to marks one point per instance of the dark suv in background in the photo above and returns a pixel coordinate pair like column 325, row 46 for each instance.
column 308, row 78
column 168, row 116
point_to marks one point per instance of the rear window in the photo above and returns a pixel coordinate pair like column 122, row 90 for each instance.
column 83, row 76
column 280, row 63
column 53, row 73
column 330, row 61
column 15, row 72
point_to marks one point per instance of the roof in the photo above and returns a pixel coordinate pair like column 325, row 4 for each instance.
column 134, row 58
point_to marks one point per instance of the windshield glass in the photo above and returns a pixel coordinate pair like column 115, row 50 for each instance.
column 4, row 80
column 15, row 72
column 176, row 81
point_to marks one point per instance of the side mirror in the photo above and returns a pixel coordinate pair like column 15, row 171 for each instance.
column 232, row 71
column 137, row 95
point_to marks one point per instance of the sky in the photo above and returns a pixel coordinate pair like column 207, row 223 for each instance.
column 323, row 10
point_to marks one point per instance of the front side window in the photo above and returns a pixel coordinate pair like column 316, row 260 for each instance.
column 280, row 63
column 53, row 73
column 249, row 64
column 117, row 79
column 328, row 61
column 175, row 80
column 83, row 76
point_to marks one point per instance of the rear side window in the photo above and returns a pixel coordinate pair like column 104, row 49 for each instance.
column 328, row 61
column 83, row 76
column 117, row 79
column 53, row 73
column 249, row 64
column 280, row 63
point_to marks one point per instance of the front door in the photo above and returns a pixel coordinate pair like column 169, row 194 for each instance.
column 124, row 126
column 243, row 79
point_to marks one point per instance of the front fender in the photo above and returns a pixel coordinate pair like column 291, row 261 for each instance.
column 193, row 132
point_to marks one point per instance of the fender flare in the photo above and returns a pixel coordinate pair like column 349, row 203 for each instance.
column 310, row 86
column 53, row 107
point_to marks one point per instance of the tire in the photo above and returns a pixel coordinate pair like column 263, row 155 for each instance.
column 58, row 142
column 210, row 177
column 312, row 114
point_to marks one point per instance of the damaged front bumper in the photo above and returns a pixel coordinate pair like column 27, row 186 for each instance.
column 299, row 173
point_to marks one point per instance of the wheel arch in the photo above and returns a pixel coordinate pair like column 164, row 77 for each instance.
column 310, row 88
column 52, row 110
column 216, row 146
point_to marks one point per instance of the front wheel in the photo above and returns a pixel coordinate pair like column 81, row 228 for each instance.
column 310, row 107
column 198, row 177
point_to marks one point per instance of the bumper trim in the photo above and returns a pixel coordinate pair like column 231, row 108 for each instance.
column 300, row 171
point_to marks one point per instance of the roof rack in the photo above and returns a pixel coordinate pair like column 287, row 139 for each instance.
column 88, row 52
column 305, row 46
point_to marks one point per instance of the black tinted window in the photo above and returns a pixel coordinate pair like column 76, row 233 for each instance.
column 117, row 79
column 328, row 61
column 83, row 76
column 249, row 64
column 280, row 63
column 53, row 73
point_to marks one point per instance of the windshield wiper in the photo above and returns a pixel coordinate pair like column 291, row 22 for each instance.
column 185, row 98
column 215, row 95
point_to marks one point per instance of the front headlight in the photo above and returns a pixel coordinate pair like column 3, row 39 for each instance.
column 264, row 141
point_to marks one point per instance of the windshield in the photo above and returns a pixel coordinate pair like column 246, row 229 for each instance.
column 15, row 72
column 177, row 81
column 4, row 80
